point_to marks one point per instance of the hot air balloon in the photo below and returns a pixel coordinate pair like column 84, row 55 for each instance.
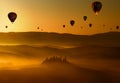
column 72, row 22
column 63, row 26
column 96, row 6
column 12, row 16
column 85, row 18
column 117, row 27
column 6, row 26
column 81, row 27
column 90, row 25
column 38, row 27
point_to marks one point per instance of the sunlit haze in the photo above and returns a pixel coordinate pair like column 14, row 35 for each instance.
column 51, row 15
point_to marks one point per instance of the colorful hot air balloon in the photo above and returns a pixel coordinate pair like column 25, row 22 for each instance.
column 72, row 22
column 12, row 16
column 85, row 18
column 96, row 6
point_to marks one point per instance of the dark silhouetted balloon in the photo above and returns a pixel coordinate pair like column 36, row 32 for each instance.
column 85, row 18
column 6, row 26
column 63, row 26
column 90, row 25
column 38, row 27
column 96, row 6
column 117, row 27
column 12, row 16
column 81, row 27
column 72, row 22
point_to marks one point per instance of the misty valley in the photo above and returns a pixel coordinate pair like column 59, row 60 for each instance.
column 40, row 57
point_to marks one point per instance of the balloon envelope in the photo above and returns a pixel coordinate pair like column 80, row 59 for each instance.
column 117, row 27
column 90, row 25
column 38, row 28
column 63, row 26
column 85, row 18
column 6, row 26
column 12, row 16
column 96, row 6
column 72, row 22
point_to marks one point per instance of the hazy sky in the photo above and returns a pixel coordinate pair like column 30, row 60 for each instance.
column 50, row 15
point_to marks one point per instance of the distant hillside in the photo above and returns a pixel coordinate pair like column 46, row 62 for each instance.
column 110, row 38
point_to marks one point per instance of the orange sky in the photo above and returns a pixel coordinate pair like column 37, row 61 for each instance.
column 50, row 15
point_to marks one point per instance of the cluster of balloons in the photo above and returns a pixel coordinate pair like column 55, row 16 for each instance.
column 72, row 22
column 39, row 28
column 96, row 6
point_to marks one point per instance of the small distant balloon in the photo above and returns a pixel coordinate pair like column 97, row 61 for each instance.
column 38, row 27
column 72, row 22
column 63, row 26
column 6, row 26
column 85, row 18
column 81, row 27
column 96, row 6
column 12, row 16
column 90, row 25
column 117, row 27
column 104, row 25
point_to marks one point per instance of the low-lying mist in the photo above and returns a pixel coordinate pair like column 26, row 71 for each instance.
column 59, row 58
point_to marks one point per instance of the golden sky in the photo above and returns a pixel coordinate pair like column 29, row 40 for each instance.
column 50, row 15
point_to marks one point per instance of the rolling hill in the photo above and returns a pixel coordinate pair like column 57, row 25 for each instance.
column 43, row 38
